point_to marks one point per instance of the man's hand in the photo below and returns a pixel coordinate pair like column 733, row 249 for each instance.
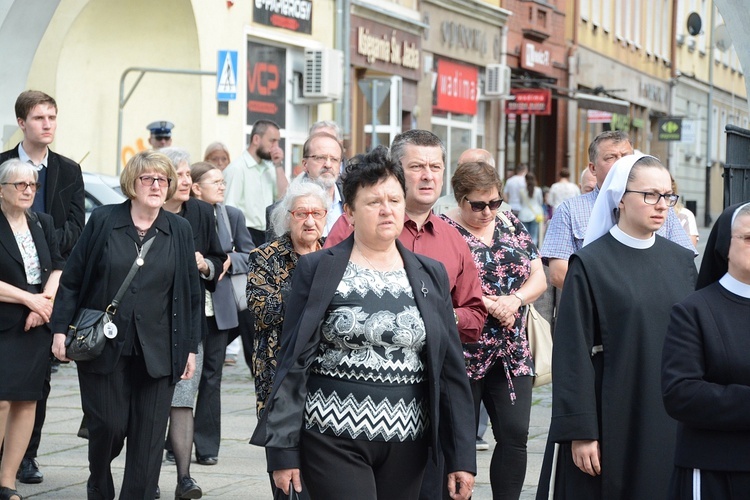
column 586, row 456
column 460, row 485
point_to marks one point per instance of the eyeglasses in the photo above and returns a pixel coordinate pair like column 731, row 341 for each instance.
column 23, row 186
column 149, row 180
column 324, row 158
column 304, row 214
column 652, row 198
column 479, row 206
column 745, row 238
column 215, row 183
column 162, row 137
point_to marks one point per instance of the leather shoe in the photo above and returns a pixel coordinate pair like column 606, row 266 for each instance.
column 169, row 456
column 187, row 488
column 207, row 460
column 158, row 493
column 29, row 473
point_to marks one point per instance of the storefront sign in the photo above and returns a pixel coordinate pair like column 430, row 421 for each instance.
column 596, row 116
column 266, row 84
column 457, row 35
column 382, row 48
column 530, row 102
column 294, row 15
column 535, row 57
column 456, row 88
column 670, row 129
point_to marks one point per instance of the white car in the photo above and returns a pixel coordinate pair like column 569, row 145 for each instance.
column 99, row 191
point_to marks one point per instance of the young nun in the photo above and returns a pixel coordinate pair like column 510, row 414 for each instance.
column 613, row 439
column 706, row 369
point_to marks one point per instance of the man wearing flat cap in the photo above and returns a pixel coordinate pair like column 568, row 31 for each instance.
column 161, row 134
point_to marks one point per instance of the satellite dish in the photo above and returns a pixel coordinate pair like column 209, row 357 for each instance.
column 722, row 41
column 694, row 23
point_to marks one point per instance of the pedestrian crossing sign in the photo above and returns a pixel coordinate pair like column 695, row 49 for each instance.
column 226, row 80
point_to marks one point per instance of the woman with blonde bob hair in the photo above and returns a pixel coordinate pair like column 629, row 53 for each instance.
column 126, row 392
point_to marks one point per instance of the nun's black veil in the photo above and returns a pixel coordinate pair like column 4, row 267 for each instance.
column 715, row 258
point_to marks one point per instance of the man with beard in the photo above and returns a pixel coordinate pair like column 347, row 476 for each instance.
column 257, row 178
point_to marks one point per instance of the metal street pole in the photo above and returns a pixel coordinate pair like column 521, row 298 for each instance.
column 709, row 115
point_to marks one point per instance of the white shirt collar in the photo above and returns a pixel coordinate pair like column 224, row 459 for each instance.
column 735, row 286
column 631, row 242
column 24, row 157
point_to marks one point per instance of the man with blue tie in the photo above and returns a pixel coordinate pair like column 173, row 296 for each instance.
column 60, row 195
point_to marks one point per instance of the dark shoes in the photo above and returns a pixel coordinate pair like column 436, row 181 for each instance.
column 11, row 494
column 158, row 493
column 169, row 456
column 207, row 460
column 29, row 472
column 187, row 488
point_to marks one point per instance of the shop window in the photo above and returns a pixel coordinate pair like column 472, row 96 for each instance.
column 458, row 132
column 382, row 112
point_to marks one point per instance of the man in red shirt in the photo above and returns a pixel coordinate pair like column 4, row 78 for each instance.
column 422, row 156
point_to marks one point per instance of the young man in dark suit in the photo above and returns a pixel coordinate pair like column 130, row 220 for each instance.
column 59, row 195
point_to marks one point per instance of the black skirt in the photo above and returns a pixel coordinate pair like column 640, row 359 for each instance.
column 24, row 360
column 688, row 484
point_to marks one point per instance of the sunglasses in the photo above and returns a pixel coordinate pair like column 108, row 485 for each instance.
column 479, row 206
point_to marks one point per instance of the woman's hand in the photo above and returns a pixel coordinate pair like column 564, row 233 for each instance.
column 225, row 268
column 586, row 456
column 39, row 303
column 32, row 321
column 282, row 478
column 503, row 307
column 460, row 485
column 201, row 262
column 58, row 346
column 189, row 367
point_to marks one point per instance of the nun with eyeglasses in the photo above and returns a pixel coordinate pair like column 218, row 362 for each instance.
column 612, row 436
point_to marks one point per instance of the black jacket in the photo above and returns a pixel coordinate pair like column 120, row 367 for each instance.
column 450, row 402
column 12, row 270
column 78, row 288
column 64, row 197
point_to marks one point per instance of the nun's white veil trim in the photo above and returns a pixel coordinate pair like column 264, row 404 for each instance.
column 603, row 214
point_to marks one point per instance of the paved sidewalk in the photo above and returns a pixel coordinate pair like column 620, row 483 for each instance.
column 240, row 473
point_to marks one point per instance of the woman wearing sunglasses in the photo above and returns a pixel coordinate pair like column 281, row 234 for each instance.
column 499, row 365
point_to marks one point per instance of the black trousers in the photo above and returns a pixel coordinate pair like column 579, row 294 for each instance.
column 246, row 332
column 208, row 405
column 336, row 467
column 125, row 404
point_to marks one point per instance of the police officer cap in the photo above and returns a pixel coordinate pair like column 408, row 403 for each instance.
column 161, row 128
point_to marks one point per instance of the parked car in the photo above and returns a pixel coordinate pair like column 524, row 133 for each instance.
column 99, row 191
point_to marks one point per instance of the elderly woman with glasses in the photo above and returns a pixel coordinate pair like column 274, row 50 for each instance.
column 30, row 266
column 499, row 364
column 612, row 436
column 126, row 392
column 298, row 221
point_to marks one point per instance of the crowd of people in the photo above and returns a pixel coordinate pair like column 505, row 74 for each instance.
column 379, row 320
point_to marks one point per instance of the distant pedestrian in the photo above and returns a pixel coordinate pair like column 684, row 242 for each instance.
column 562, row 190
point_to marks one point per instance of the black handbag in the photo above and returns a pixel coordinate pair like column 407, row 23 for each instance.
column 88, row 333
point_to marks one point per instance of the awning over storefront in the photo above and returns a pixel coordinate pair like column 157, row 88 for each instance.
column 590, row 101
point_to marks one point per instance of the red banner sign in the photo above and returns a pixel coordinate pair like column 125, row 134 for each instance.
column 530, row 102
column 456, row 88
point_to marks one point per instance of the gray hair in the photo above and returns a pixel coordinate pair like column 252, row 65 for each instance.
column 299, row 188
column 14, row 168
column 323, row 124
column 176, row 156
column 415, row 137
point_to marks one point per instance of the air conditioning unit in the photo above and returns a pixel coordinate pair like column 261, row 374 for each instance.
column 496, row 80
column 323, row 77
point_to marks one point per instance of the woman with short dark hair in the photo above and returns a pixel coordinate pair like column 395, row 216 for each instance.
column 371, row 371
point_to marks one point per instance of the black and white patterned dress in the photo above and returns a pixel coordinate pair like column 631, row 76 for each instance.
column 368, row 380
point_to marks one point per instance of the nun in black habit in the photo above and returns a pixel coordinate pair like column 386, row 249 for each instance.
column 706, row 369
column 610, row 437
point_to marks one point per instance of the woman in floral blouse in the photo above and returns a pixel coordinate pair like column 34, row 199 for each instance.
column 299, row 220
column 499, row 365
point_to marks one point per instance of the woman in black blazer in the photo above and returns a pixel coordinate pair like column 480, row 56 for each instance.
column 30, row 267
column 127, row 391
column 706, row 369
column 371, row 363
